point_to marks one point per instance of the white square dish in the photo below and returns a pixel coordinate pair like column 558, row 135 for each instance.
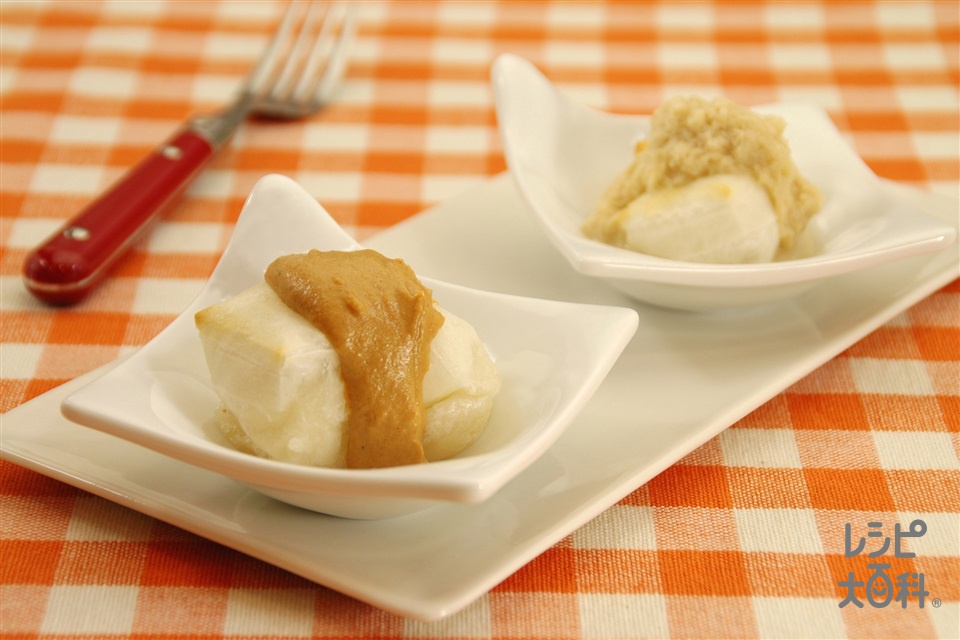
column 563, row 155
column 552, row 356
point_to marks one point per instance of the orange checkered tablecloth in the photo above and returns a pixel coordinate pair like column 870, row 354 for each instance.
column 743, row 537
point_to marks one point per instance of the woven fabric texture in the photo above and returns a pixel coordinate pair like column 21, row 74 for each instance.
column 744, row 537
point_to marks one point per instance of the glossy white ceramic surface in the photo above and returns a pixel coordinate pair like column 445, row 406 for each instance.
column 563, row 155
column 639, row 422
column 551, row 355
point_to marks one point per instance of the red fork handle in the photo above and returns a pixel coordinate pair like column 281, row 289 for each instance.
column 71, row 262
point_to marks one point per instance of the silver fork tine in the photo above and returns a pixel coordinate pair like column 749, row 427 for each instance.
column 288, row 77
column 272, row 54
column 337, row 58
column 304, row 61
column 318, row 53
column 317, row 60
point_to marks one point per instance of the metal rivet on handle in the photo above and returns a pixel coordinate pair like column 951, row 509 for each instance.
column 172, row 152
column 77, row 233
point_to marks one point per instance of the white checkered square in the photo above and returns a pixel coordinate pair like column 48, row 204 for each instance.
column 946, row 619
column 19, row 360
column 252, row 12
column 904, row 15
column 329, row 186
column 8, row 79
column 933, row 145
column 921, row 98
column 130, row 40
column 915, row 450
column 319, row 136
column 185, row 237
column 678, row 15
column 800, row 56
column 460, row 51
column 213, row 89
column 165, row 296
column 894, row 377
column 450, row 93
column 64, row 179
column 619, row 527
column 686, row 56
column 234, row 46
column 90, row 609
column 794, row 16
column 17, row 37
column 941, row 538
column 365, row 50
column 574, row 54
column 606, row 616
column 270, row 613
column 790, row 618
column 81, row 129
column 828, row 98
column 28, row 232
column 137, row 10
column 473, row 14
column 354, row 91
column 778, row 530
column 104, row 83
column 573, row 14
column 911, row 57
column 770, row 448
column 212, row 183
column 466, row 140
column 15, row 297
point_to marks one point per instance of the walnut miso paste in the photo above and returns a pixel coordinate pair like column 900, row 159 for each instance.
column 380, row 320
column 344, row 359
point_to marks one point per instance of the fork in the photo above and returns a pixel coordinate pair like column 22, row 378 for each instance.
column 294, row 77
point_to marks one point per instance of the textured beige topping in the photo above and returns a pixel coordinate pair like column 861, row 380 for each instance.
column 693, row 138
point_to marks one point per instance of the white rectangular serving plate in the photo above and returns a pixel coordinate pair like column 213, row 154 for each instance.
column 683, row 379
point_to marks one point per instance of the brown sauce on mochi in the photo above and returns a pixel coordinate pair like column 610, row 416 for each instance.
column 380, row 320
